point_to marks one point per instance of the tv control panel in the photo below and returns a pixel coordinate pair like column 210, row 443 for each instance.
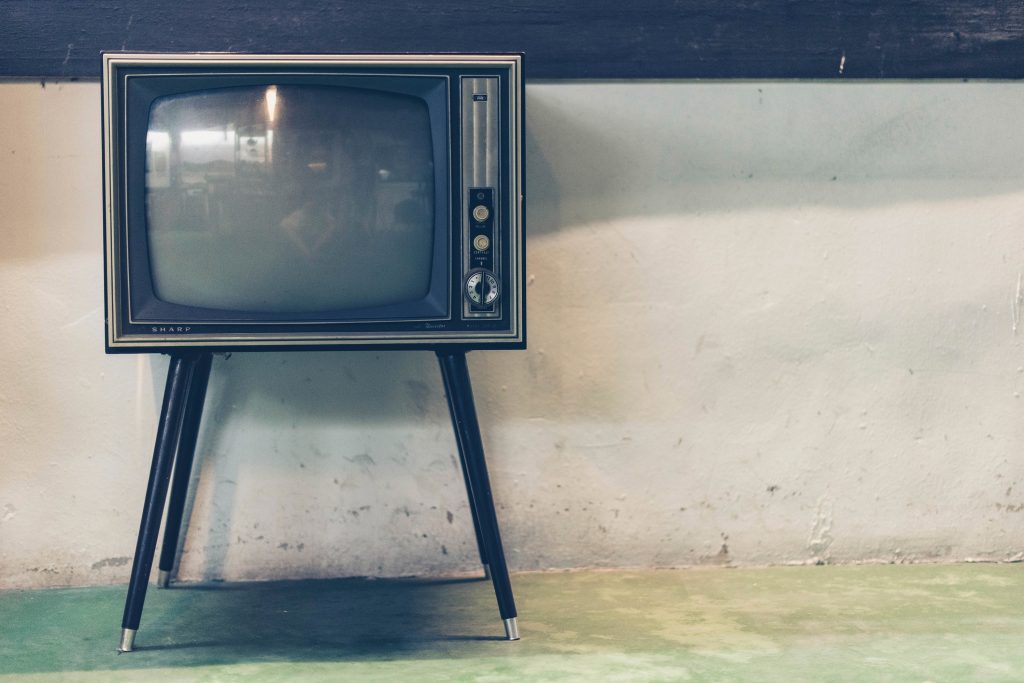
column 481, row 233
column 482, row 286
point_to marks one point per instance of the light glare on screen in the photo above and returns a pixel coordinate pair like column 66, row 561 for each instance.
column 271, row 98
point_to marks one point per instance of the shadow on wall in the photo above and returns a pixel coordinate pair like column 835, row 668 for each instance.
column 312, row 387
column 602, row 151
column 329, row 410
column 601, row 158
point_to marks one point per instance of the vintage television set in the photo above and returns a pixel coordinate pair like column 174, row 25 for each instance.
column 356, row 201
column 296, row 202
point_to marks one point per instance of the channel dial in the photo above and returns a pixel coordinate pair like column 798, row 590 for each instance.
column 482, row 288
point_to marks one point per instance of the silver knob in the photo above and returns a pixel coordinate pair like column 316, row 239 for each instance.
column 482, row 287
column 481, row 213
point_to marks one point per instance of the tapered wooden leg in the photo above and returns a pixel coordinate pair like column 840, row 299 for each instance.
column 473, row 508
column 183, row 467
column 179, row 374
column 467, row 429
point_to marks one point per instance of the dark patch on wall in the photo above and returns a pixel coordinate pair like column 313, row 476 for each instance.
column 599, row 39
column 111, row 562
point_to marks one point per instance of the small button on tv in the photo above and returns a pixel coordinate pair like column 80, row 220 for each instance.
column 481, row 243
column 481, row 213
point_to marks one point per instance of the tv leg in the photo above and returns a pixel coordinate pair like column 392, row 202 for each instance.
column 183, row 467
column 459, row 442
column 467, row 430
column 179, row 374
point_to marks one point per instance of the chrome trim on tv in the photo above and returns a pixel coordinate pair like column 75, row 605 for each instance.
column 150, row 341
column 481, row 160
column 203, row 58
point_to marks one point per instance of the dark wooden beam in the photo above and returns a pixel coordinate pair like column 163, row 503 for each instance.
column 562, row 39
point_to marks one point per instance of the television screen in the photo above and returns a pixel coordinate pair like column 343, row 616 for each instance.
column 289, row 198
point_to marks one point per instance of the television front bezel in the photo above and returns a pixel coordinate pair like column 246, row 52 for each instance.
column 449, row 332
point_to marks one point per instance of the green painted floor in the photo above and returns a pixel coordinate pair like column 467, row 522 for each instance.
column 870, row 623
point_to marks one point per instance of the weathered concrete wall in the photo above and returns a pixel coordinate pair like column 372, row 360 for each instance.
column 769, row 323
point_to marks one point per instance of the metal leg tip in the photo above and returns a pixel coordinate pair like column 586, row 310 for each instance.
column 487, row 572
column 512, row 629
column 163, row 579
column 128, row 640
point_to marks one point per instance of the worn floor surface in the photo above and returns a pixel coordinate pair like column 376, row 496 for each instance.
column 869, row 623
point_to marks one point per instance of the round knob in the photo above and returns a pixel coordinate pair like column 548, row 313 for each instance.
column 481, row 243
column 482, row 287
column 481, row 213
